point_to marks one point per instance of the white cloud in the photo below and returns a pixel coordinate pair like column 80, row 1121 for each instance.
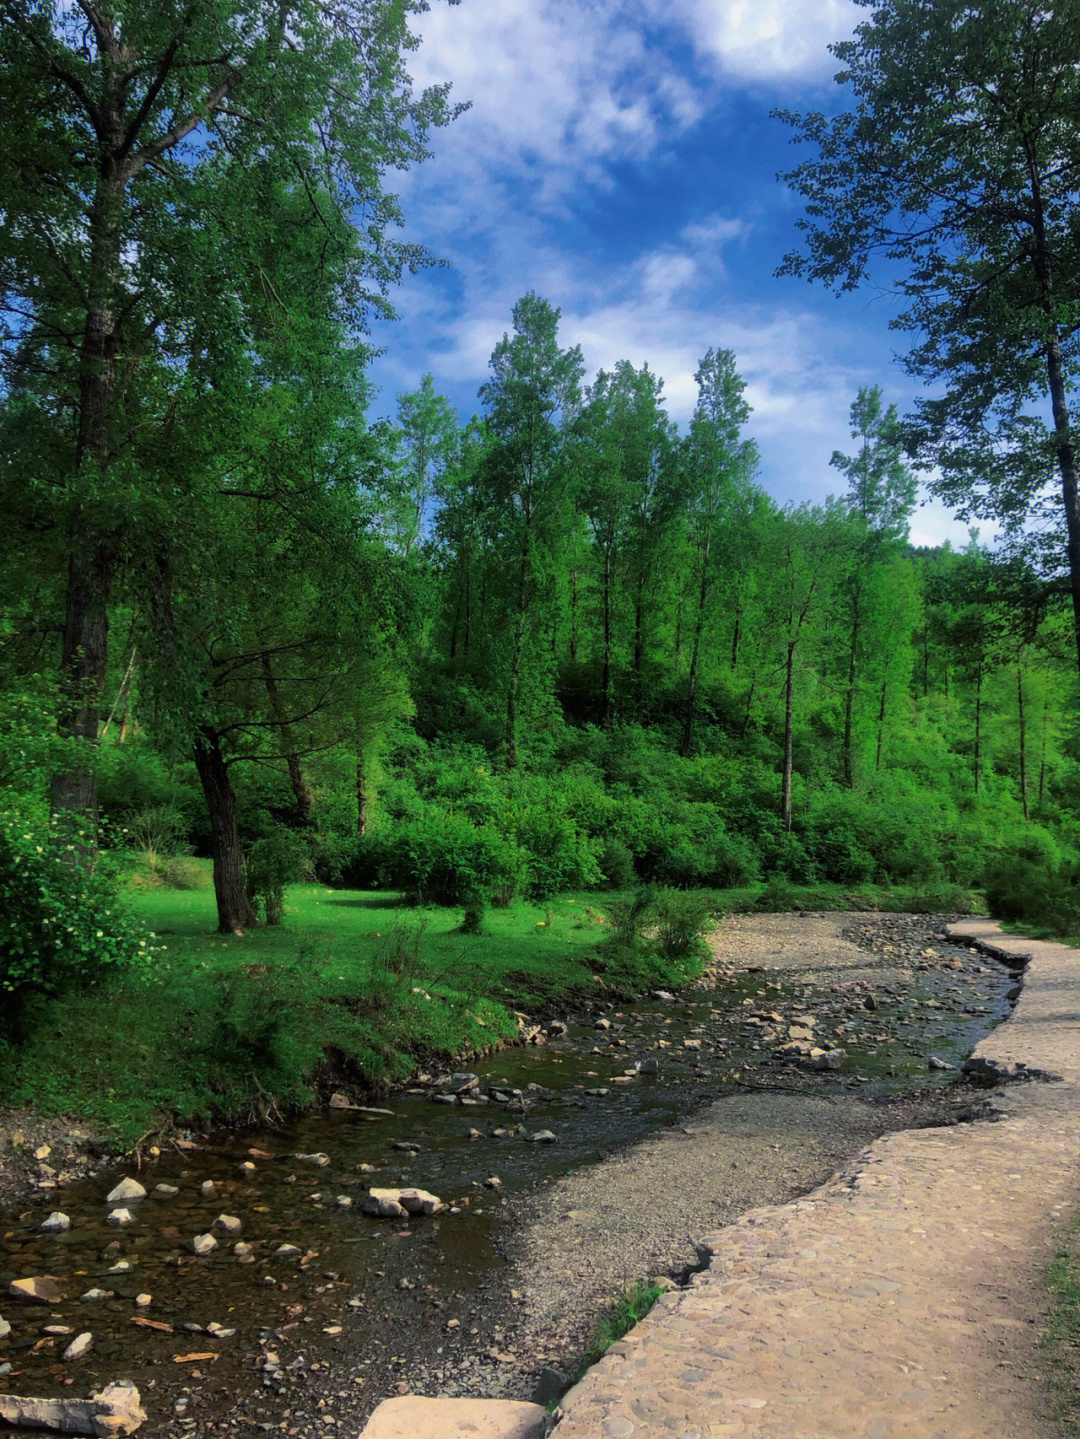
column 764, row 40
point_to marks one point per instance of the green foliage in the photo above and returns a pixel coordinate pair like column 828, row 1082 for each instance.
column 1027, row 882
column 682, row 920
column 65, row 925
column 628, row 1309
column 277, row 859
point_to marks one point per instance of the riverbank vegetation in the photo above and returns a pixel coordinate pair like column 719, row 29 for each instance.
column 559, row 648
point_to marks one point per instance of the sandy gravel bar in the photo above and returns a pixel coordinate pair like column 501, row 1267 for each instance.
column 899, row 1301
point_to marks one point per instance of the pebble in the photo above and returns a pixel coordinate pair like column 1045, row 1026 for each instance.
column 143, row 1301
column 126, row 1190
column 203, row 1243
column 56, row 1223
column 80, row 1345
column 5, row 1328
column 543, row 1136
column 166, row 1191
column 121, row 1217
column 207, row 1187
column 93, row 1294
column 227, row 1224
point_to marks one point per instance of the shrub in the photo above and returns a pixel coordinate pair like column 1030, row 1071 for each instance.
column 62, row 922
column 682, row 920
column 617, row 865
column 278, row 859
column 158, row 832
column 1024, row 885
column 444, row 858
column 630, row 918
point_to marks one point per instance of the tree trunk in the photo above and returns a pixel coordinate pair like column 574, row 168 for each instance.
column 91, row 558
column 639, row 624
column 699, row 625
column 881, row 724
column 1057, row 385
column 849, row 696
column 573, row 617
column 1023, row 733
column 785, row 793
column 361, row 795
column 978, row 723
column 735, row 637
column 605, row 677
column 301, row 792
column 1042, row 756
column 235, row 913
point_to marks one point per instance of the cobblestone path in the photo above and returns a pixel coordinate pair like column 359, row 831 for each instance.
column 899, row 1301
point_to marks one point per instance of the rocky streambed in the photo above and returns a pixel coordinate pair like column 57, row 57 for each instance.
column 247, row 1289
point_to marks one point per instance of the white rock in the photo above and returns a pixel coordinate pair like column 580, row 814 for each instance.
column 114, row 1411
column 56, row 1223
column 543, row 1136
column 5, row 1329
column 227, row 1224
column 121, row 1216
column 203, row 1243
column 166, row 1191
column 207, row 1187
column 125, row 1190
column 122, row 1266
column 93, row 1294
column 143, row 1301
column 344, row 1201
column 80, row 1345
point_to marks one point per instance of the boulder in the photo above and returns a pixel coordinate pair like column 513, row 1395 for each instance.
column 114, row 1411
column 56, row 1223
column 126, row 1190
column 42, row 1290
column 412, row 1417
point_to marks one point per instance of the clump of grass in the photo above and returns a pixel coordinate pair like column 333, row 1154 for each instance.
column 1061, row 1338
column 628, row 1309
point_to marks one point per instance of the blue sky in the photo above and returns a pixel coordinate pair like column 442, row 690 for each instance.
column 620, row 159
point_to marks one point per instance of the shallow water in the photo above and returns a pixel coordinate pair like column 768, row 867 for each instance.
column 382, row 1292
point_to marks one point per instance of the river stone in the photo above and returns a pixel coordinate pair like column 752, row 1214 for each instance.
column 203, row 1243
column 208, row 1187
column 56, row 1223
column 122, row 1266
column 121, row 1216
column 227, row 1224
column 42, row 1290
column 396, row 1203
column 115, row 1411
column 247, row 1168
column 319, row 1159
column 5, row 1329
column 412, row 1417
column 127, row 1189
column 543, row 1136
column 143, row 1301
column 166, row 1191
column 92, row 1294
column 79, row 1346
column 829, row 1059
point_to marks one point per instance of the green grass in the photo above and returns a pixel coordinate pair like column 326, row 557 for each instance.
column 1061, row 1339
column 352, row 989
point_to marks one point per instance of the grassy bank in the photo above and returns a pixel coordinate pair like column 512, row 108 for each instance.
column 354, row 988
column 1062, row 1337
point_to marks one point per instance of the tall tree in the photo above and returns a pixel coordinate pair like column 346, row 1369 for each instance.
column 881, row 494
column 959, row 163
column 152, row 155
column 716, row 462
column 534, row 387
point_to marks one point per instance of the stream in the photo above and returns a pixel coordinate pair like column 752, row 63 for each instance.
column 306, row 1308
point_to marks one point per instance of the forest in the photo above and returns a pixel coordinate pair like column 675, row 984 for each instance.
column 254, row 637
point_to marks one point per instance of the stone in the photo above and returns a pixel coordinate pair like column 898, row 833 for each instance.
column 227, row 1224
column 344, row 1201
column 207, row 1187
column 114, row 1411
column 42, row 1151
column 247, row 1168
column 340, row 1101
column 94, row 1294
column 412, row 1417
column 5, row 1329
column 319, row 1159
column 691, row 1044
column 286, row 1251
column 493, row 1182
column 56, row 1223
column 935, row 1063
column 397, row 1203
column 166, row 1191
column 58, row 1330
column 543, row 1136
column 143, row 1301
column 80, row 1345
column 122, row 1266
column 242, row 1249
column 203, row 1243
column 42, row 1290
column 126, row 1190
column 828, row 1058
column 602, row 1023
column 121, row 1217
